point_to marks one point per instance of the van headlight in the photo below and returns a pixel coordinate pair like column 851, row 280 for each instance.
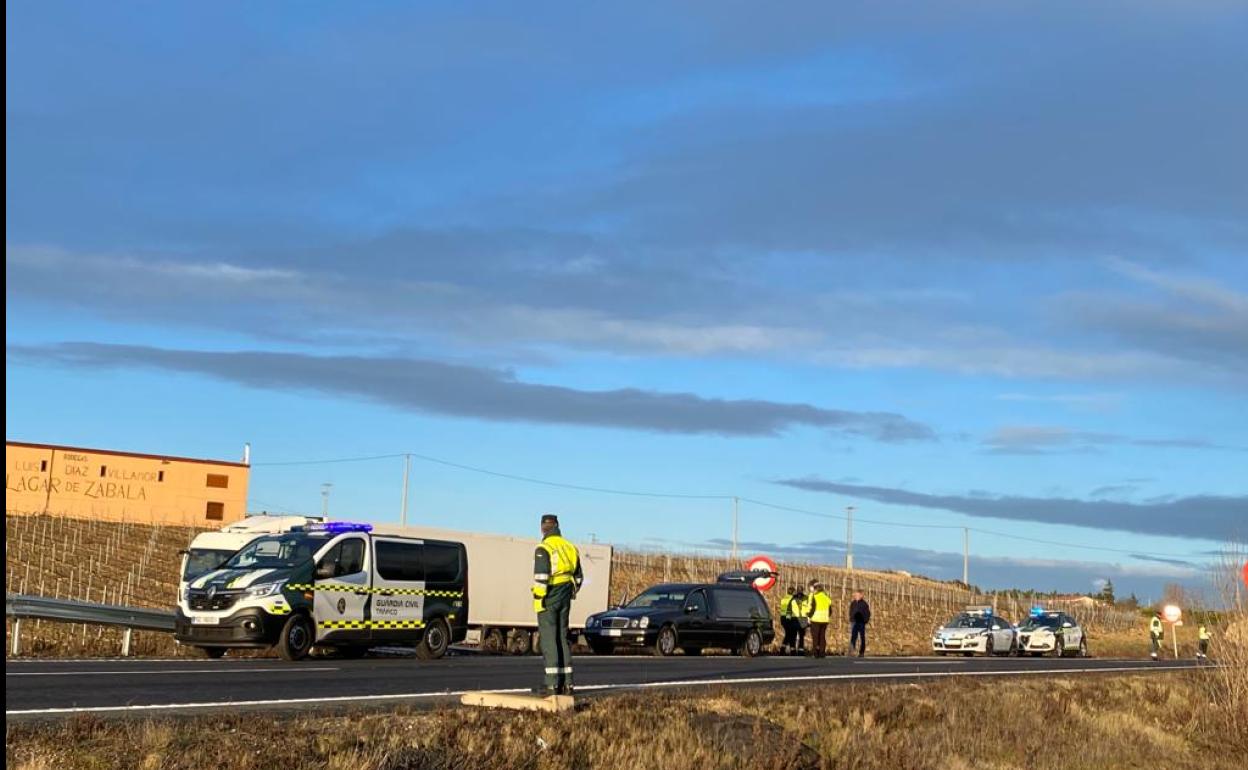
column 262, row 590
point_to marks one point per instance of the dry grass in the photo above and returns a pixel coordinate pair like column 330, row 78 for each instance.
column 1086, row 722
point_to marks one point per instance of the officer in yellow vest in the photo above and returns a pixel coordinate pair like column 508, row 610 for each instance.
column 786, row 620
column 1156, row 632
column 801, row 609
column 557, row 576
column 820, row 615
column 1202, row 653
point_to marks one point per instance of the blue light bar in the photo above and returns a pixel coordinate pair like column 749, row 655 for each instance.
column 338, row 527
column 1037, row 611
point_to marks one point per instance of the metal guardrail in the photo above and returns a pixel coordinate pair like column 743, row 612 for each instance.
column 18, row 606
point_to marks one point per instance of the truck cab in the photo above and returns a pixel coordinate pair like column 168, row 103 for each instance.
column 333, row 585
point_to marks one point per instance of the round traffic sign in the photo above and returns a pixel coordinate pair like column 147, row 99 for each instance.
column 1172, row 613
column 762, row 564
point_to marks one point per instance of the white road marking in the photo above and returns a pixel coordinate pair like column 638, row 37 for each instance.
column 172, row 671
column 583, row 688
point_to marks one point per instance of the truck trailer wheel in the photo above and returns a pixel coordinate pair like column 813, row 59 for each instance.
column 297, row 637
column 519, row 642
column 436, row 641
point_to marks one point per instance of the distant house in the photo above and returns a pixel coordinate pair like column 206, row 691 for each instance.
column 1075, row 600
column 123, row 486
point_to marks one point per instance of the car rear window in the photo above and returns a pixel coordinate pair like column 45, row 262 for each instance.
column 742, row 605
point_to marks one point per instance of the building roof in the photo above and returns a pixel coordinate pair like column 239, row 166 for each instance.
column 118, row 453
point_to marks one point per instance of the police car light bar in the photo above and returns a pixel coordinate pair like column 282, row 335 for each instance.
column 1037, row 611
column 337, row 527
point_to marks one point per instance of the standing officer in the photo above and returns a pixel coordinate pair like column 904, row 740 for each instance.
column 1156, row 631
column 788, row 621
column 557, row 577
column 859, row 617
column 1202, row 653
column 820, row 615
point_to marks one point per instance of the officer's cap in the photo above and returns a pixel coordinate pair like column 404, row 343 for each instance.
column 550, row 518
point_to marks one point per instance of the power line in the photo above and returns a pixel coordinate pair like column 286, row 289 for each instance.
column 679, row 496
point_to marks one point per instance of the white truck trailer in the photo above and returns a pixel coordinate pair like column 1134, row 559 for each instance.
column 500, row 579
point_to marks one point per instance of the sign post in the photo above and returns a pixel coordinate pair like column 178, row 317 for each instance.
column 1174, row 616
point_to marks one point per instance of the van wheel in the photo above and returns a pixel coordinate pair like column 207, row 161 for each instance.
column 212, row 652
column 665, row 644
column 753, row 644
column 436, row 641
column 297, row 637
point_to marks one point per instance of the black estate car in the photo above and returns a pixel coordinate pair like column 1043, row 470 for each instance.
column 686, row 616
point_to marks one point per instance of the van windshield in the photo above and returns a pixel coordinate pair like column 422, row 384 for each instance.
column 276, row 551
column 202, row 560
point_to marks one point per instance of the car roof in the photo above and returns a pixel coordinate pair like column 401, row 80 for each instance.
column 692, row 586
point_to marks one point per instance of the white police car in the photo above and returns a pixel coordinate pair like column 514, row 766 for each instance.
column 977, row 629
column 1052, row 632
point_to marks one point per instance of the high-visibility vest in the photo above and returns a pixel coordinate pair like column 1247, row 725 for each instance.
column 803, row 606
column 821, row 611
column 785, row 610
column 563, row 559
column 1155, row 628
column 1204, row 634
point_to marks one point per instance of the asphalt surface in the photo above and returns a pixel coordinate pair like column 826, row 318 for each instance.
column 35, row 689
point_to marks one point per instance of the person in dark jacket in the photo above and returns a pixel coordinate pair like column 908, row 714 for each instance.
column 859, row 617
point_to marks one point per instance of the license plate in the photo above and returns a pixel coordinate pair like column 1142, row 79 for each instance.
column 205, row 620
column 611, row 632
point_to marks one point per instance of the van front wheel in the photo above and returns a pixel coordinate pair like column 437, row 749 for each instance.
column 296, row 640
column 436, row 641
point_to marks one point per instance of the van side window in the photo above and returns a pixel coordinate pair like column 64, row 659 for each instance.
column 441, row 563
column 352, row 559
column 400, row 561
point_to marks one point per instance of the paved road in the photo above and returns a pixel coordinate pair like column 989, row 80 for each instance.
column 35, row 689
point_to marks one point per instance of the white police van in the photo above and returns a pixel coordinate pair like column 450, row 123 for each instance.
column 338, row 585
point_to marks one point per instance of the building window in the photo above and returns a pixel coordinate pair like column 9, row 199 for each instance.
column 103, row 470
column 160, row 475
column 218, row 480
column 215, row 511
column 43, row 466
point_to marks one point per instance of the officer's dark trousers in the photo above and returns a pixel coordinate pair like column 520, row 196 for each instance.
column 792, row 627
column 552, row 629
column 1156, row 640
column 818, row 639
column 858, row 637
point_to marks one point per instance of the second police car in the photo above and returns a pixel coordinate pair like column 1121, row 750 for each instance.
column 1052, row 632
column 976, row 630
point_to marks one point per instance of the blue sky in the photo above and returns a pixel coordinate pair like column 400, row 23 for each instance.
column 975, row 267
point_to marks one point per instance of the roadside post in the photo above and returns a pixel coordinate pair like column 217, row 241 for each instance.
column 1174, row 616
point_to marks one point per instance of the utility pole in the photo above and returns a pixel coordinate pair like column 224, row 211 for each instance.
column 735, row 519
column 407, row 470
column 849, row 538
column 966, row 556
column 325, row 499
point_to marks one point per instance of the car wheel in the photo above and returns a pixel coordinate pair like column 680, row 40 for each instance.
column 435, row 641
column 665, row 643
column 752, row 645
column 601, row 646
column 297, row 637
column 212, row 652
column 692, row 651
